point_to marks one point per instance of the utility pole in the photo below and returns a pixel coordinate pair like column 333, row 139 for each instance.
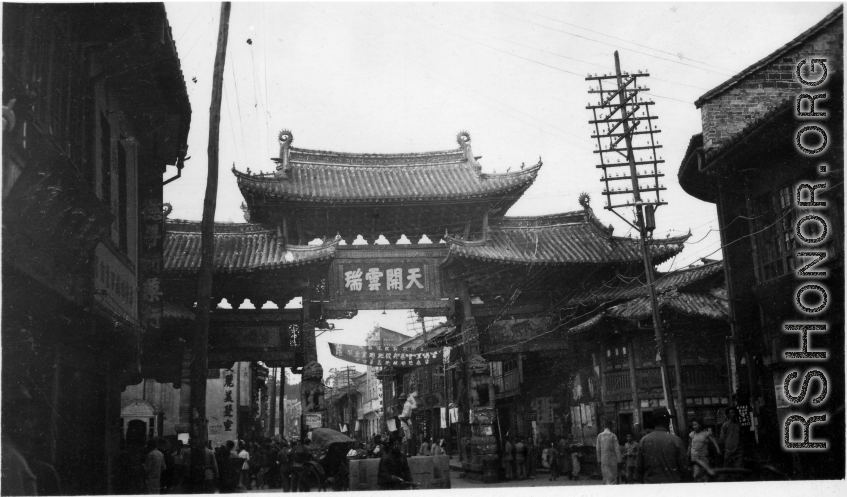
column 623, row 115
column 200, row 362
column 273, row 399
column 283, row 380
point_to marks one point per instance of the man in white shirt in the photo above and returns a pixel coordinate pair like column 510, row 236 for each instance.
column 245, row 468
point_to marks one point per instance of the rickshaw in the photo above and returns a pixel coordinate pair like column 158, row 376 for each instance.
column 329, row 462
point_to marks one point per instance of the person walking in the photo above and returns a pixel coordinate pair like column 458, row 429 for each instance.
column 507, row 459
column 520, row 459
column 730, row 439
column 245, row 468
column 531, row 459
column 662, row 456
column 553, row 461
column 698, row 446
column 575, row 457
column 154, row 464
column 210, row 471
column 168, row 473
column 608, row 454
column 283, row 457
column 631, row 449
column 565, row 460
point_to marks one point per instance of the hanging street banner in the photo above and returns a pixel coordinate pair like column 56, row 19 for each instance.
column 386, row 356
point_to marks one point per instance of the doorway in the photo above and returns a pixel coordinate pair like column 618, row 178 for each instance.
column 624, row 425
column 136, row 433
column 647, row 416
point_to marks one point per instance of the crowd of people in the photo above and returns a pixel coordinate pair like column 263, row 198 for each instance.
column 647, row 456
column 522, row 459
column 658, row 456
column 164, row 466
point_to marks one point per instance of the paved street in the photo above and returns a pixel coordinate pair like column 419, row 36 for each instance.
column 543, row 480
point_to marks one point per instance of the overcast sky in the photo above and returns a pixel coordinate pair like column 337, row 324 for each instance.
column 406, row 77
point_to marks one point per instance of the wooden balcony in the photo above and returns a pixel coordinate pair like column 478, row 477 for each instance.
column 696, row 379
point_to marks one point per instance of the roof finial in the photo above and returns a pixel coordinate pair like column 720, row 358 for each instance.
column 584, row 200
column 285, row 138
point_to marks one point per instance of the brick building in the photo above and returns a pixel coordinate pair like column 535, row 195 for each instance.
column 748, row 162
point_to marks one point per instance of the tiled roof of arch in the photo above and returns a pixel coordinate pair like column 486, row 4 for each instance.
column 238, row 247
column 319, row 176
column 569, row 238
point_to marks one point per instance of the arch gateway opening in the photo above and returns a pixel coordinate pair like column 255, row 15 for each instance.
column 344, row 232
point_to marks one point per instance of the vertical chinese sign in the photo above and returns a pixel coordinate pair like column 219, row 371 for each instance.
column 229, row 402
column 152, row 218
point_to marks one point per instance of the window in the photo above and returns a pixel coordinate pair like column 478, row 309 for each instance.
column 616, row 357
column 775, row 215
column 647, row 349
column 105, row 161
column 123, row 222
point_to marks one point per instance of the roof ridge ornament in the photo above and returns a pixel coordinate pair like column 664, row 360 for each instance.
column 285, row 138
column 464, row 140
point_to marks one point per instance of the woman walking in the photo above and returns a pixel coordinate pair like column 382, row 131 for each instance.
column 698, row 446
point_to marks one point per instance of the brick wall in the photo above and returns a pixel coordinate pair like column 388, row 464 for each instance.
column 728, row 113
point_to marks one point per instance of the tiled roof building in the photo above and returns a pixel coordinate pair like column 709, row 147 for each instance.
column 558, row 239
column 238, row 248
column 371, row 194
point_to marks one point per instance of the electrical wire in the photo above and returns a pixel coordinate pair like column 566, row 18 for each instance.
column 611, row 44
column 238, row 102
column 464, row 28
column 429, row 72
column 614, row 37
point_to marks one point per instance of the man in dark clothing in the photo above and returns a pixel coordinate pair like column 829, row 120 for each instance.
column 520, row 459
column 299, row 456
column 284, row 459
column 730, row 440
column 662, row 457
column 394, row 470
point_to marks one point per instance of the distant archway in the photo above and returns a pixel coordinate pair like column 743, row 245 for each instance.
column 136, row 433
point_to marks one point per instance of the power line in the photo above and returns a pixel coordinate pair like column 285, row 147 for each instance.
column 265, row 61
column 238, row 102
column 615, row 37
column 787, row 212
column 429, row 73
column 581, row 76
column 189, row 25
column 610, row 44
column 231, row 126
column 568, row 57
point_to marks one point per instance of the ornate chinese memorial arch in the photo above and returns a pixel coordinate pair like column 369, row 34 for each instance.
column 523, row 264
